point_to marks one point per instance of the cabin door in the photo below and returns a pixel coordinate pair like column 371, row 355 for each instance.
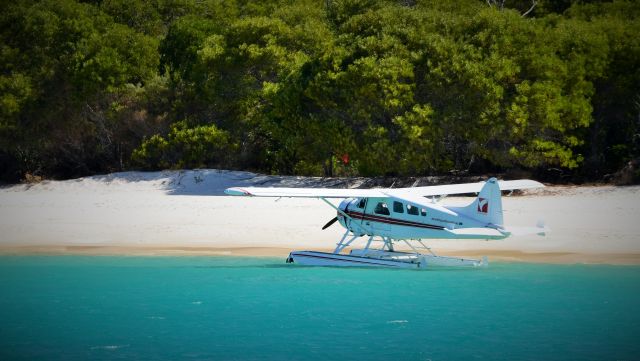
column 378, row 210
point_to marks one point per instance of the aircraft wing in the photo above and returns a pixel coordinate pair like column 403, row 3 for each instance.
column 448, row 189
column 303, row 192
column 414, row 194
column 417, row 194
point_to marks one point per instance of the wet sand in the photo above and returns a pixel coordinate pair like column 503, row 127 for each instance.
column 280, row 252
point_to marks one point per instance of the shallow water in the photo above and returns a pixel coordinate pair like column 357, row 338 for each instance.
column 225, row 308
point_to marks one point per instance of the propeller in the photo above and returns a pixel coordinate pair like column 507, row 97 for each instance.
column 330, row 223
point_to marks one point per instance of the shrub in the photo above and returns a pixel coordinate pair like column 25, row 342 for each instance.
column 186, row 147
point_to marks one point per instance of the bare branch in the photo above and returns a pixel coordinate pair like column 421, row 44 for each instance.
column 533, row 5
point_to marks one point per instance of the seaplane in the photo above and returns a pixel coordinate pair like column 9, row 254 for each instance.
column 387, row 217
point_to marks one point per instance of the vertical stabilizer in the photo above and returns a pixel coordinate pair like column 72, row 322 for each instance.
column 487, row 207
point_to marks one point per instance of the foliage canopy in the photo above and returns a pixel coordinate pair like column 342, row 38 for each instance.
column 340, row 87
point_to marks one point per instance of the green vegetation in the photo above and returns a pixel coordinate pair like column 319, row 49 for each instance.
column 335, row 87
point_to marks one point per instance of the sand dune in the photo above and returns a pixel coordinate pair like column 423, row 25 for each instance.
column 185, row 212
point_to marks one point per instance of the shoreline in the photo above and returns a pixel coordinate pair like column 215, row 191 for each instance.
column 495, row 255
column 178, row 213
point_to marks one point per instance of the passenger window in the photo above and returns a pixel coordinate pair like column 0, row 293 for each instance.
column 361, row 203
column 412, row 210
column 381, row 208
column 423, row 212
column 398, row 207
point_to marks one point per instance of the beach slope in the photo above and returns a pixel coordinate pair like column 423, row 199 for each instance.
column 186, row 212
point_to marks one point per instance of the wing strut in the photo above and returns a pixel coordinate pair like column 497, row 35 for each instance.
column 341, row 245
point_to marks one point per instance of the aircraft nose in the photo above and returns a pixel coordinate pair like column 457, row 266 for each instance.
column 344, row 204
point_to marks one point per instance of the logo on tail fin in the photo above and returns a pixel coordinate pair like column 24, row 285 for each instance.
column 483, row 205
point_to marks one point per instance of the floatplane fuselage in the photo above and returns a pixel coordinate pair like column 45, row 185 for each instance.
column 398, row 220
column 403, row 215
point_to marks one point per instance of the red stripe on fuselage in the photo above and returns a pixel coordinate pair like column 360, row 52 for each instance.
column 395, row 221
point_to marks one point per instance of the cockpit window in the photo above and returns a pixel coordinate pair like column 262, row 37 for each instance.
column 398, row 207
column 423, row 212
column 361, row 203
column 412, row 210
column 381, row 208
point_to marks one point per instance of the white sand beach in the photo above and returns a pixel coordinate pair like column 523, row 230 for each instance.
column 186, row 213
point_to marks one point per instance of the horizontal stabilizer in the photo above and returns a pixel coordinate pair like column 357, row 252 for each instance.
column 475, row 233
column 527, row 231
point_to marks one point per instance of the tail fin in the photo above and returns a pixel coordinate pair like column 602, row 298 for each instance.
column 487, row 207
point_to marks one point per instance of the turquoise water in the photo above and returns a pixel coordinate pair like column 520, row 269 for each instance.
column 201, row 308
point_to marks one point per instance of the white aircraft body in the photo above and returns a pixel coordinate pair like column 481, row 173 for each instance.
column 407, row 215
